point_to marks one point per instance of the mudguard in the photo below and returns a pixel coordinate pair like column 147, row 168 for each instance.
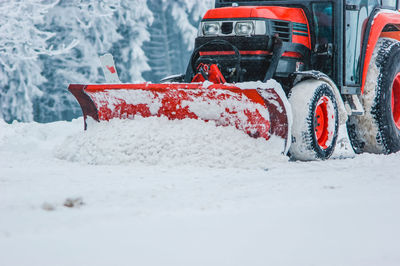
column 380, row 20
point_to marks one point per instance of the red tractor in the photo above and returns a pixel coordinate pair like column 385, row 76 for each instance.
column 294, row 69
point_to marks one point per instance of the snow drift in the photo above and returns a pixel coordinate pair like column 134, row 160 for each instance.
column 334, row 212
column 159, row 141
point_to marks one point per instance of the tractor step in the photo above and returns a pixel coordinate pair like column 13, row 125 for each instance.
column 353, row 105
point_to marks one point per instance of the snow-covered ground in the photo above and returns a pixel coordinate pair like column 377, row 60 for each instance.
column 152, row 192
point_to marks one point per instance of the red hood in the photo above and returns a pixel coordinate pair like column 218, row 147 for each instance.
column 270, row 12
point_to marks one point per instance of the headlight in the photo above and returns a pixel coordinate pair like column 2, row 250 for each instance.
column 244, row 28
column 211, row 28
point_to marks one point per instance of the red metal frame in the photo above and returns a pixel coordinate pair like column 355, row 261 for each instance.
column 380, row 21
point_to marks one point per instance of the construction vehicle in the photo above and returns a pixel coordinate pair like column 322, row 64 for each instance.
column 295, row 69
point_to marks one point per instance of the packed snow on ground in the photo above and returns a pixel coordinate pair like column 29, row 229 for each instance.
column 157, row 192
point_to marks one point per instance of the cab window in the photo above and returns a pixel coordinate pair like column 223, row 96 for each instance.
column 323, row 24
column 391, row 3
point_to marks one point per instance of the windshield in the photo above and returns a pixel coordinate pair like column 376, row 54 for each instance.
column 238, row 1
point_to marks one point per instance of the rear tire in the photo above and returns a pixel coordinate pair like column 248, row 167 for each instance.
column 315, row 121
column 378, row 131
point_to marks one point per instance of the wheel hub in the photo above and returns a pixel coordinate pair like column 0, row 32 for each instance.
column 321, row 122
column 396, row 100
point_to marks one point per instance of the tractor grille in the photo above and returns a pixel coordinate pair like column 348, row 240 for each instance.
column 282, row 29
column 227, row 27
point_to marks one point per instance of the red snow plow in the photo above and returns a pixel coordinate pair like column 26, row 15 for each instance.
column 260, row 112
column 255, row 61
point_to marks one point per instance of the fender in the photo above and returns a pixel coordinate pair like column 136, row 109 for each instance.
column 314, row 74
column 376, row 25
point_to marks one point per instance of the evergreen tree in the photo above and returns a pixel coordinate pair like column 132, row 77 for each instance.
column 59, row 42
column 133, row 19
column 21, row 44
column 172, row 35
column 92, row 26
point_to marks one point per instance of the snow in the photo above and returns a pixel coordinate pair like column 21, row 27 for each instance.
column 385, row 11
column 225, row 107
column 160, row 142
column 217, row 198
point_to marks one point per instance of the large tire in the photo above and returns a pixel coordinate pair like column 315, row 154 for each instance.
column 378, row 131
column 315, row 121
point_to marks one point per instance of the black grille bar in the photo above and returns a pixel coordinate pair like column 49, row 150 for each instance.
column 282, row 29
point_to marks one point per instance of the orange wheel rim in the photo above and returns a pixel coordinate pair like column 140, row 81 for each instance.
column 396, row 100
column 321, row 123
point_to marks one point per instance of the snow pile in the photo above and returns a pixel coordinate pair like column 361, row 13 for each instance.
column 158, row 141
column 343, row 147
column 35, row 138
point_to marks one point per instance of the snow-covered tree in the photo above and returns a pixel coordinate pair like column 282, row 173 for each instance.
column 172, row 35
column 21, row 44
column 187, row 15
column 47, row 44
column 116, row 26
column 133, row 19
column 91, row 24
column 199, row 8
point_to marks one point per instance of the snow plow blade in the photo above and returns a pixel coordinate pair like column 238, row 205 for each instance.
column 260, row 111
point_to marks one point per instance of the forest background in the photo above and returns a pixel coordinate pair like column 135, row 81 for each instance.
column 47, row 44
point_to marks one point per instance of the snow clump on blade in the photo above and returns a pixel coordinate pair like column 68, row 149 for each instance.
column 159, row 141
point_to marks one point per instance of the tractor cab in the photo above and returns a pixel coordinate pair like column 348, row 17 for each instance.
column 259, row 40
column 244, row 37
